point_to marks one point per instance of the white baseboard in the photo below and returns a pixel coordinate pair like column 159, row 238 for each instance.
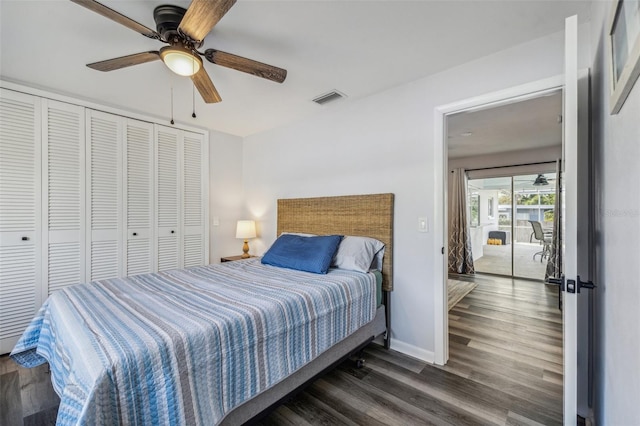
column 414, row 351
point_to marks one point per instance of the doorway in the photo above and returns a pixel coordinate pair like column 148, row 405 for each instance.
column 441, row 114
column 498, row 315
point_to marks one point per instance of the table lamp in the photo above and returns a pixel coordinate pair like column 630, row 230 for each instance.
column 246, row 229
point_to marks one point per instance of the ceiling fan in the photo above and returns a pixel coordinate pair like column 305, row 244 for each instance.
column 184, row 31
column 542, row 180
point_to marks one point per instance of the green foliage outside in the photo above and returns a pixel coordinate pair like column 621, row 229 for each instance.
column 528, row 199
column 548, row 215
column 548, row 199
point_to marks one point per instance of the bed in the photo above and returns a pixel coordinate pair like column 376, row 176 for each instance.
column 217, row 344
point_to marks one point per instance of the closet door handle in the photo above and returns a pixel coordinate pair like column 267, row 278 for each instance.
column 135, row 233
column 173, row 232
column 25, row 238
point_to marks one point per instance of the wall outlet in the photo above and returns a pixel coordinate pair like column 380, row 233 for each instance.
column 423, row 224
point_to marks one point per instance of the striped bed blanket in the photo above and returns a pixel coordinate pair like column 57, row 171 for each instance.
column 184, row 347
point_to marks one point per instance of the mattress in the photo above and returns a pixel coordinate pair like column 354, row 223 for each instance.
column 187, row 346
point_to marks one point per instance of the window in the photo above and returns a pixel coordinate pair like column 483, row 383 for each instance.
column 490, row 207
column 474, row 210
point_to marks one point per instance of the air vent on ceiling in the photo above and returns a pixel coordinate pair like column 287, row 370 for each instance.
column 334, row 95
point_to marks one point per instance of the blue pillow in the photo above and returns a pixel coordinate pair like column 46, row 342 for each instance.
column 310, row 254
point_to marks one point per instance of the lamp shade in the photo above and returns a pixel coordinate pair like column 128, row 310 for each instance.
column 181, row 60
column 246, row 229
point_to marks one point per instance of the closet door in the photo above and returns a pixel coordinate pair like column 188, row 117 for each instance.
column 194, row 200
column 63, row 148
column 21, row 290
column 105, row 195
column 168, row 199
column 139, row 200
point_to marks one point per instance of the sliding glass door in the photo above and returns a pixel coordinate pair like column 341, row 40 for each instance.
column 511, row 218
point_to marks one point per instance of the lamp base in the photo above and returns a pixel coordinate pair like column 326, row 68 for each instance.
column 245, row 250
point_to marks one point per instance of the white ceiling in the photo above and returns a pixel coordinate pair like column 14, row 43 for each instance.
column 524, row 125
column 357, row 47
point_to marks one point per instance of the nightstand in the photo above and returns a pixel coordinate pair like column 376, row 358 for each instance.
column 232, row 258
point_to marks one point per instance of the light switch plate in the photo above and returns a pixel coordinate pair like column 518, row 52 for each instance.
column 423, row 224
column 216, row 221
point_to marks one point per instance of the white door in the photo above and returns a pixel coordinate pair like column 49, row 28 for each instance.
column 168, row 197
column 104, row 205
column 139, row 199
column 194, row 199
column 575, row 223
column 21, row 290
column 63, row 181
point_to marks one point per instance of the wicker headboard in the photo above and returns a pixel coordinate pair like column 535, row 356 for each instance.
column 361, row 215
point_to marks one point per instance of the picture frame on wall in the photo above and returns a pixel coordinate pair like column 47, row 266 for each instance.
column 624, row 50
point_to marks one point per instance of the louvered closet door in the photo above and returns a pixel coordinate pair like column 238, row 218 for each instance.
column 168, row 200
column 104, row 207
column 193, row 200
column 139, row 200
column 63, row 147
column 21, row 290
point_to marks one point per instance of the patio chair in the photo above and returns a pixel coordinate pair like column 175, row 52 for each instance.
column 544, row 238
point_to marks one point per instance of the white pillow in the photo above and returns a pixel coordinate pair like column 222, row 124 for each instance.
column 299, row 233
column 359, row 254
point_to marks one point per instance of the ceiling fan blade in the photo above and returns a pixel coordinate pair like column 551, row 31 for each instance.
column 202, row 16
column 249, row 66
column 205, row 86
column 125, row 61
column 118, row 17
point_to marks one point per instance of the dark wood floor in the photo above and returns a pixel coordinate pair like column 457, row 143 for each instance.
column 505, row 367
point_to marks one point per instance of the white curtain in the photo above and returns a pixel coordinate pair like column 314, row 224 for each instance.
column 460, row 257
column 554, row 264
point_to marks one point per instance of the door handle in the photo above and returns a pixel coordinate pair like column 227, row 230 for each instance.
column 582, row 284
column 574, row 286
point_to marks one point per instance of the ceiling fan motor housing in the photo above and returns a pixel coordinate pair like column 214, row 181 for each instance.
column 168, row 18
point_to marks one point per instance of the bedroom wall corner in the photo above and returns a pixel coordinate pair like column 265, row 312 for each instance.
column 226, row 196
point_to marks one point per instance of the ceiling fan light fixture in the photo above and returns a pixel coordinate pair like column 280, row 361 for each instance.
column 180, row 60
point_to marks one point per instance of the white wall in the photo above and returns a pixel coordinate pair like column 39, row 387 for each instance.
column 384, row 143
column 226, row 196
column 616, row 140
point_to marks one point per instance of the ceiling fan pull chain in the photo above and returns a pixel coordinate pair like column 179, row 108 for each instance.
column 172, row 122
column 193, row 93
